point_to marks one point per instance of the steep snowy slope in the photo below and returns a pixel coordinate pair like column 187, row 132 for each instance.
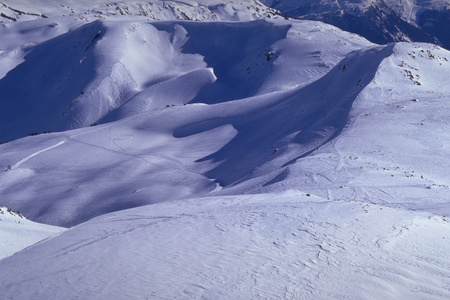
column 116, row 69
column 396, row 146
column 17, row 232
column 378, row 21
column 70, row 82
column 264, row 64
column 275, row 246
column 299, row 103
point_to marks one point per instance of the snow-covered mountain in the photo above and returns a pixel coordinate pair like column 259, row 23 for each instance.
column 185, row 63
column 379, row 21
column 218, row 150
column 86, row 10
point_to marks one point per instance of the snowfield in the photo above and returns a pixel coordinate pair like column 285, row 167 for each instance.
column 17, row 232
column 280, row 246
column 219, row 151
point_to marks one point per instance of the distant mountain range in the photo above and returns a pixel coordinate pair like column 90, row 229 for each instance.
column 378, row 21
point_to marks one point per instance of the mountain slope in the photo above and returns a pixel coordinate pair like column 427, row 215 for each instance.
column 88, row 11
column 378, row 21
column 306, row 161
column 283, row 136
column 284, row 245
column 177, row 64
column 17, row 232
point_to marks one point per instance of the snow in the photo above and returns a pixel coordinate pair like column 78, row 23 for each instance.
column 226, row 157
column 284, row 245
column 17, row 232
column 86, row 10
column 150, row 139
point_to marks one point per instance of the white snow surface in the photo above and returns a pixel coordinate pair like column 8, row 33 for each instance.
column 230, row 157
column 273, row 246
column 147, row 128
column 17, row 232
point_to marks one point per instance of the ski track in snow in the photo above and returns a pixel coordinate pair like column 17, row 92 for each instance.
column 18, row 164
column 35, row 154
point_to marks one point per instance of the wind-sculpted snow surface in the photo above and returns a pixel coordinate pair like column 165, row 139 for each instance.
column 308, row 118
column 273, row 246
column 293, row 132
column 179, row 66
column 307, row 162
column 85, row 76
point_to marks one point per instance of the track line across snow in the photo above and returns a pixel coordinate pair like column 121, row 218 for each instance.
column 35, row 154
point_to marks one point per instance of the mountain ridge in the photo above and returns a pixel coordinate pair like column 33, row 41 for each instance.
column 378, row 21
